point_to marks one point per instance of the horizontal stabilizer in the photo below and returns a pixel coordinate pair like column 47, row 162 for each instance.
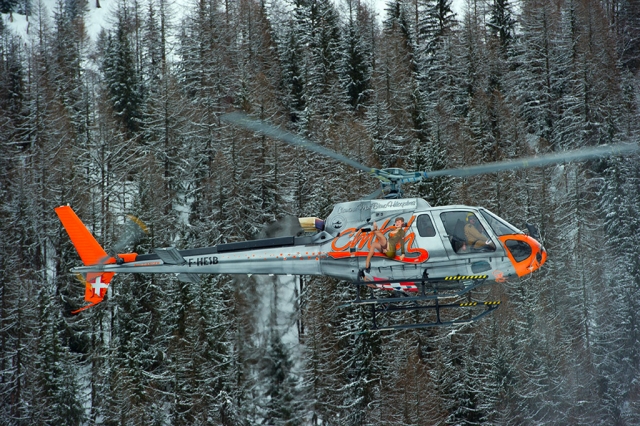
column 170, row 256
column 189, row 278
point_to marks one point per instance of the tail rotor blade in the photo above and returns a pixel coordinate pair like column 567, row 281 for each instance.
column 134, row 230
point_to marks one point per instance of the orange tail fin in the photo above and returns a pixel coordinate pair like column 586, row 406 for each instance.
column 86, row 245
column 90, row 252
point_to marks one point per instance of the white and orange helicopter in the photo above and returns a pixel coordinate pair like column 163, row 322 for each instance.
column 445, row 252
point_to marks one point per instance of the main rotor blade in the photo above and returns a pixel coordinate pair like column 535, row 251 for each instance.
column 373, row 195
column 543, row 160
column 259, row 126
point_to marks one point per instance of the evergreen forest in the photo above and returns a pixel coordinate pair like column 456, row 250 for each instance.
column 128, row 122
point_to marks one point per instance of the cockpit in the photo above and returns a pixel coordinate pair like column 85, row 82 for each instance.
column 472, row 231
column 477, row 230
column 520, row 250
column 466, row 232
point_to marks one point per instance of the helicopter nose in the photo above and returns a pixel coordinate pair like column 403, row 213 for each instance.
column 541, row 257
column 525, row 252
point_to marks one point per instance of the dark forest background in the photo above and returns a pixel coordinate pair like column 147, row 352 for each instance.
column 129, row 123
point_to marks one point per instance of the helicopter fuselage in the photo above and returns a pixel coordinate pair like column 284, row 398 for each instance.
column 435, row 241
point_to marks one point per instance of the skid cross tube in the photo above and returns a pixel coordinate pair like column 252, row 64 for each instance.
column 397, row 327
column 407, row 303
column 477, row 281
column 375, row 314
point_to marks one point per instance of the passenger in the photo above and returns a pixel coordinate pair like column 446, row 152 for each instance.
column 475, row 234
column 387, row 247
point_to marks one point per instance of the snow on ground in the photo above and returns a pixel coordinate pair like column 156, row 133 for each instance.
column 99, row 18
column 95, row 20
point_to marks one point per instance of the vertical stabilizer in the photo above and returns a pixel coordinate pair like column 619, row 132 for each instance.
column 90, row 252
column 86, row 245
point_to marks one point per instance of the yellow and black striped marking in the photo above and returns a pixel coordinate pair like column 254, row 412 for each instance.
column 466, row 277
column 488, row 303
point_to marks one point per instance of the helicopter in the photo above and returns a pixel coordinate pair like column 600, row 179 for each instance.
column 439, row 262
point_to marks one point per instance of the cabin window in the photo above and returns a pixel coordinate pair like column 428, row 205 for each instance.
column 519, row 250
column 466, row 233
column 425, row 226
column 499, row 225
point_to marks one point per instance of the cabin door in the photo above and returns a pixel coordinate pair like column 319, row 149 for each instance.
column 426, row 237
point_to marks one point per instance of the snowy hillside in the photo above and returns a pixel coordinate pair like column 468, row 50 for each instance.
column 96, row 18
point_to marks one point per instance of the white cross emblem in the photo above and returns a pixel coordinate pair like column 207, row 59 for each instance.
column 97, row 285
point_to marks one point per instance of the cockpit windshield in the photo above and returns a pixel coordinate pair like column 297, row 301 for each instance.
column 499, row 226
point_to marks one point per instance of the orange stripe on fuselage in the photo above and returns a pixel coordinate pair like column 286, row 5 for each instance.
column 423, row 255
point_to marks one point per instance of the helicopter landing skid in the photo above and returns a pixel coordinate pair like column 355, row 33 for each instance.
column 426, row 299
column 424, row 288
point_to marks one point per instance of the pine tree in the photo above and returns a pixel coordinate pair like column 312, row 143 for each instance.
column 361, row 360
column 12, row 87
column 615, row 340
column 293, row 74
column 18, row 315
column 56, row 385
column 357, row 54
column 625, row 18
column 389, row 121
column 283, row 403
column 9, row 6
column 537, row 53
column 260, row 93
column 502, row 23
column 321, row 367
column 68, row 50
column 435, row 29
column 121, row 74
column 323, row 67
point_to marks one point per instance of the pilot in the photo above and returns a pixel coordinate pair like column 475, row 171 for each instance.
column 475, row 235
column 387, row 247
